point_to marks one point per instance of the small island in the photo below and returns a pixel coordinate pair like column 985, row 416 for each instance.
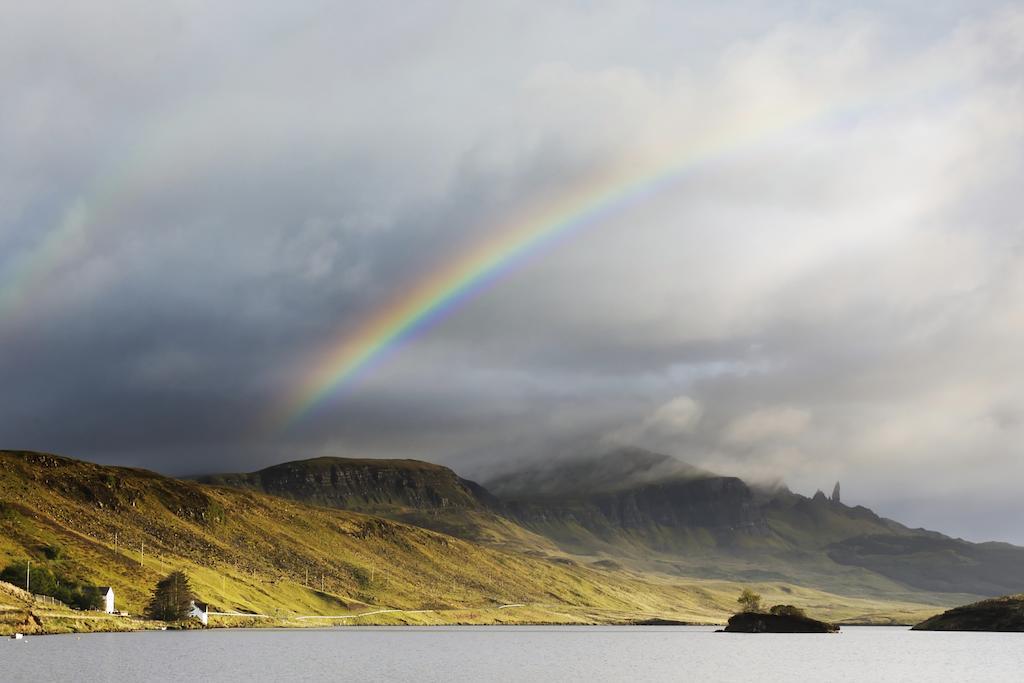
column 777, row 619
column 998, row 614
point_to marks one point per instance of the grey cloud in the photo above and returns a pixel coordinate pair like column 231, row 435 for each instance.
column 833, row 296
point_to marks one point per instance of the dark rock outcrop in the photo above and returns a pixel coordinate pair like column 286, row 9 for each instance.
column 756, row 622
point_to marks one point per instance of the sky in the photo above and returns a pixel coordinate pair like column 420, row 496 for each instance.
column 790, row 242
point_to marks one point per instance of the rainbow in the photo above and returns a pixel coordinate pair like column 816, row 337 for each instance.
column 27, row 275
column 351, row 353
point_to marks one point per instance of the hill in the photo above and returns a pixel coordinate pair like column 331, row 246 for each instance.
column 999, row 614
column 348, row 483
column 412, row 491
column 652, row 512
column 249, row 552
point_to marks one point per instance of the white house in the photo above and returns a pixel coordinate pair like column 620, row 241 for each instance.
column 200, row 611
column 107, row 593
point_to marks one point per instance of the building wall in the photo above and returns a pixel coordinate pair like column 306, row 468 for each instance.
column 202, row 616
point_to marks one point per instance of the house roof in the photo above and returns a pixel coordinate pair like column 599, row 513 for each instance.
column 104, row 589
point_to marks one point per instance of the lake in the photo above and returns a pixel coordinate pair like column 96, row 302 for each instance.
column 514, row 654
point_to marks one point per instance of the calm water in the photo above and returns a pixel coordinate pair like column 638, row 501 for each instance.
column 515, row 654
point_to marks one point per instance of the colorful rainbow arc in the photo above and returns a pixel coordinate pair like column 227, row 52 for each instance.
column 349, row 355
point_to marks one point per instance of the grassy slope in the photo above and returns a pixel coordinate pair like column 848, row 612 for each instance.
column 795, row 551
column 250, row 552
column 810, row 543
column 20, row 613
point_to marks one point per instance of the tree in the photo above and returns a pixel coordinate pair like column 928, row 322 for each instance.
column 172, row 598
column 749, row 601
column 786, row 611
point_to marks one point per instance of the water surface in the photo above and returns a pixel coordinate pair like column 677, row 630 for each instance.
column 515, row 654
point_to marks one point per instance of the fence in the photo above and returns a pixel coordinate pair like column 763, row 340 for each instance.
column 48, row 600
column 25, row 595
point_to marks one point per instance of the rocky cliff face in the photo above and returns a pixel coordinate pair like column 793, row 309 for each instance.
column 362, row 484
column 655, row 499
column 666, row 516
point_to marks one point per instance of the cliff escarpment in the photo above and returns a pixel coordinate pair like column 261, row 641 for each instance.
column 357, row 484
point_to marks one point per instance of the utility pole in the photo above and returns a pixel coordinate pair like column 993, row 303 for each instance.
column 321, row 582
column 28, row 575
column 115, row 543
column 142, row 556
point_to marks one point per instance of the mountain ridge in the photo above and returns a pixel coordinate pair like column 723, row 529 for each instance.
column 369, row 483
column 652, row 510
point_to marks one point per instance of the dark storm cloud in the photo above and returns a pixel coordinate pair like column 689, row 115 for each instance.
column 195, row 201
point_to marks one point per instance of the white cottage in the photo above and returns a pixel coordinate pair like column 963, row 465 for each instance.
column 107, row 594
column 200, row 611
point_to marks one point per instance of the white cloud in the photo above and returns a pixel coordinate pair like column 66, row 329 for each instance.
column 766, row 425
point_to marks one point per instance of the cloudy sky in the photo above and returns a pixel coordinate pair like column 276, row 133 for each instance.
column 807, row 265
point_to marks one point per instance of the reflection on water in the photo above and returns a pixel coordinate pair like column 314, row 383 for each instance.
column 514, row 654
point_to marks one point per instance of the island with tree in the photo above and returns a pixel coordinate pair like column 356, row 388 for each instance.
column 753, row 618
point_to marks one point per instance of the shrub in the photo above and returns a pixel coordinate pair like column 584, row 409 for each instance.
column 54, row 552
column 215, row 514
column 787, row 611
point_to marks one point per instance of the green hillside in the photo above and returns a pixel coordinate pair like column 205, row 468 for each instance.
column 249, row 552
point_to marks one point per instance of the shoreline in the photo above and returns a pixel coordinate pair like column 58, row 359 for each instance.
column 49, row 623
column 52, row 624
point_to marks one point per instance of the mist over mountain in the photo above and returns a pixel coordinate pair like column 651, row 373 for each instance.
column 618, row 469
